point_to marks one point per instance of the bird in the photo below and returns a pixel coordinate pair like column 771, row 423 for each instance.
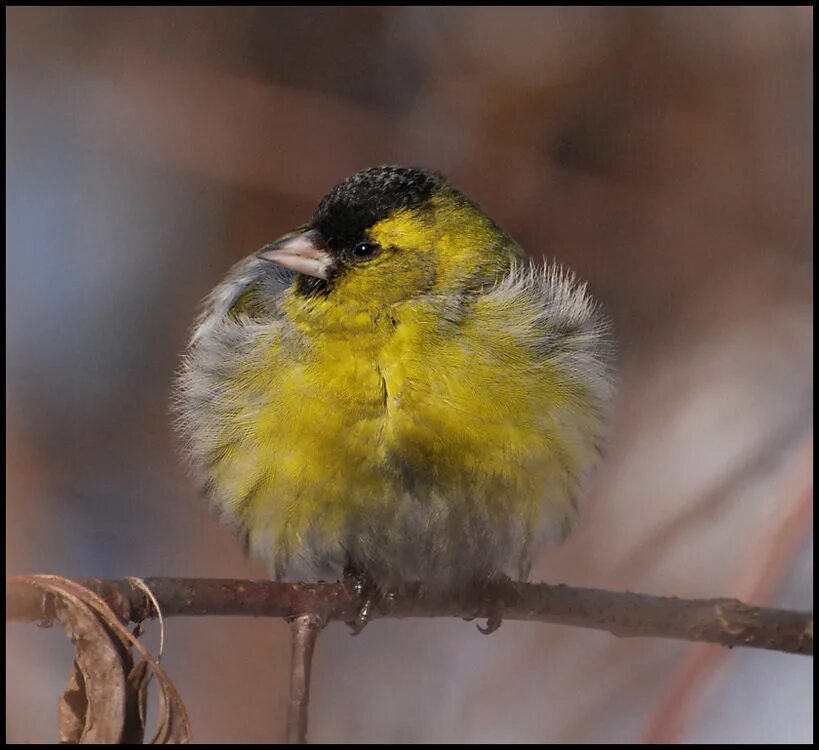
column 395, row 390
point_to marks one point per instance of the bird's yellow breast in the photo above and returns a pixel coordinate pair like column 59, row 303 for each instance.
column 347, row 412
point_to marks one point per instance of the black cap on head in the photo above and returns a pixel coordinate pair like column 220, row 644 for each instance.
column 354, row 205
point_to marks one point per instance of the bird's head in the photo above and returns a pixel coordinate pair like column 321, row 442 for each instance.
column 389, row 234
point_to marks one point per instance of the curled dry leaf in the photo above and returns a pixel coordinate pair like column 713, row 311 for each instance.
column 105, row 700
column 92, row 709
column 73, row 708
column 137, row 704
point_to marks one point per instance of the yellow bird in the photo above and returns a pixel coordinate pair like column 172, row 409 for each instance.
column 393, row 390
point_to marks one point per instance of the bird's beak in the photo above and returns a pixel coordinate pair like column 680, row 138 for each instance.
column 304, row 252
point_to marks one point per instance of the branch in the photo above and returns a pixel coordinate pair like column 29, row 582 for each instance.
column 305, row 632
column 724, row 621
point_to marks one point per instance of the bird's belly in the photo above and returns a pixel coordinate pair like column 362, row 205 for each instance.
column 406, row 475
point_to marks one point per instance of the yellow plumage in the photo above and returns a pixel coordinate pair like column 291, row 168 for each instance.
column 427, row 414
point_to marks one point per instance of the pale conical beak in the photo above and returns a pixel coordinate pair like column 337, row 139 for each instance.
column 302, row 252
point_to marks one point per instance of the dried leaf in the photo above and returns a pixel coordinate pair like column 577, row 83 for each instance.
column 99, row 699
column 173, row 723
column 100, row 685
column 136, row 704
column 73, row 708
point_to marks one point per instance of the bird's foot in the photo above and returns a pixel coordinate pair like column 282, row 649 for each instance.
column 368, row 595
column 492, row 602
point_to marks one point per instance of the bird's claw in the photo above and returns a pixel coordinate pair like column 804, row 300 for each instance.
column 493, row 622
column 367, row 593
column 492, row 602
column 361, row 620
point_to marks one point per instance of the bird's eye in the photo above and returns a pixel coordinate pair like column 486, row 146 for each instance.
column 366, row 250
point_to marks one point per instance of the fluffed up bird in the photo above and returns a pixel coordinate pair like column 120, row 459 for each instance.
column 394, row 389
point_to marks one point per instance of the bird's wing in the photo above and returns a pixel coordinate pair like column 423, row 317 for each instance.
column 252, row 288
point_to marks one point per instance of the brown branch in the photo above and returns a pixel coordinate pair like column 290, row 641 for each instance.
column 305, row 632
column 724, row 621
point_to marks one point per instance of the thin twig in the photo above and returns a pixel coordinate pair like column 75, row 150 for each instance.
column 305, row 629
column 727, row 622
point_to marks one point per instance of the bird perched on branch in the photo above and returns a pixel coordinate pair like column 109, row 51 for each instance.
column 395, row 390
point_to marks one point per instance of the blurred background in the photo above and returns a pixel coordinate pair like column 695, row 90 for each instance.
column 664, row 153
